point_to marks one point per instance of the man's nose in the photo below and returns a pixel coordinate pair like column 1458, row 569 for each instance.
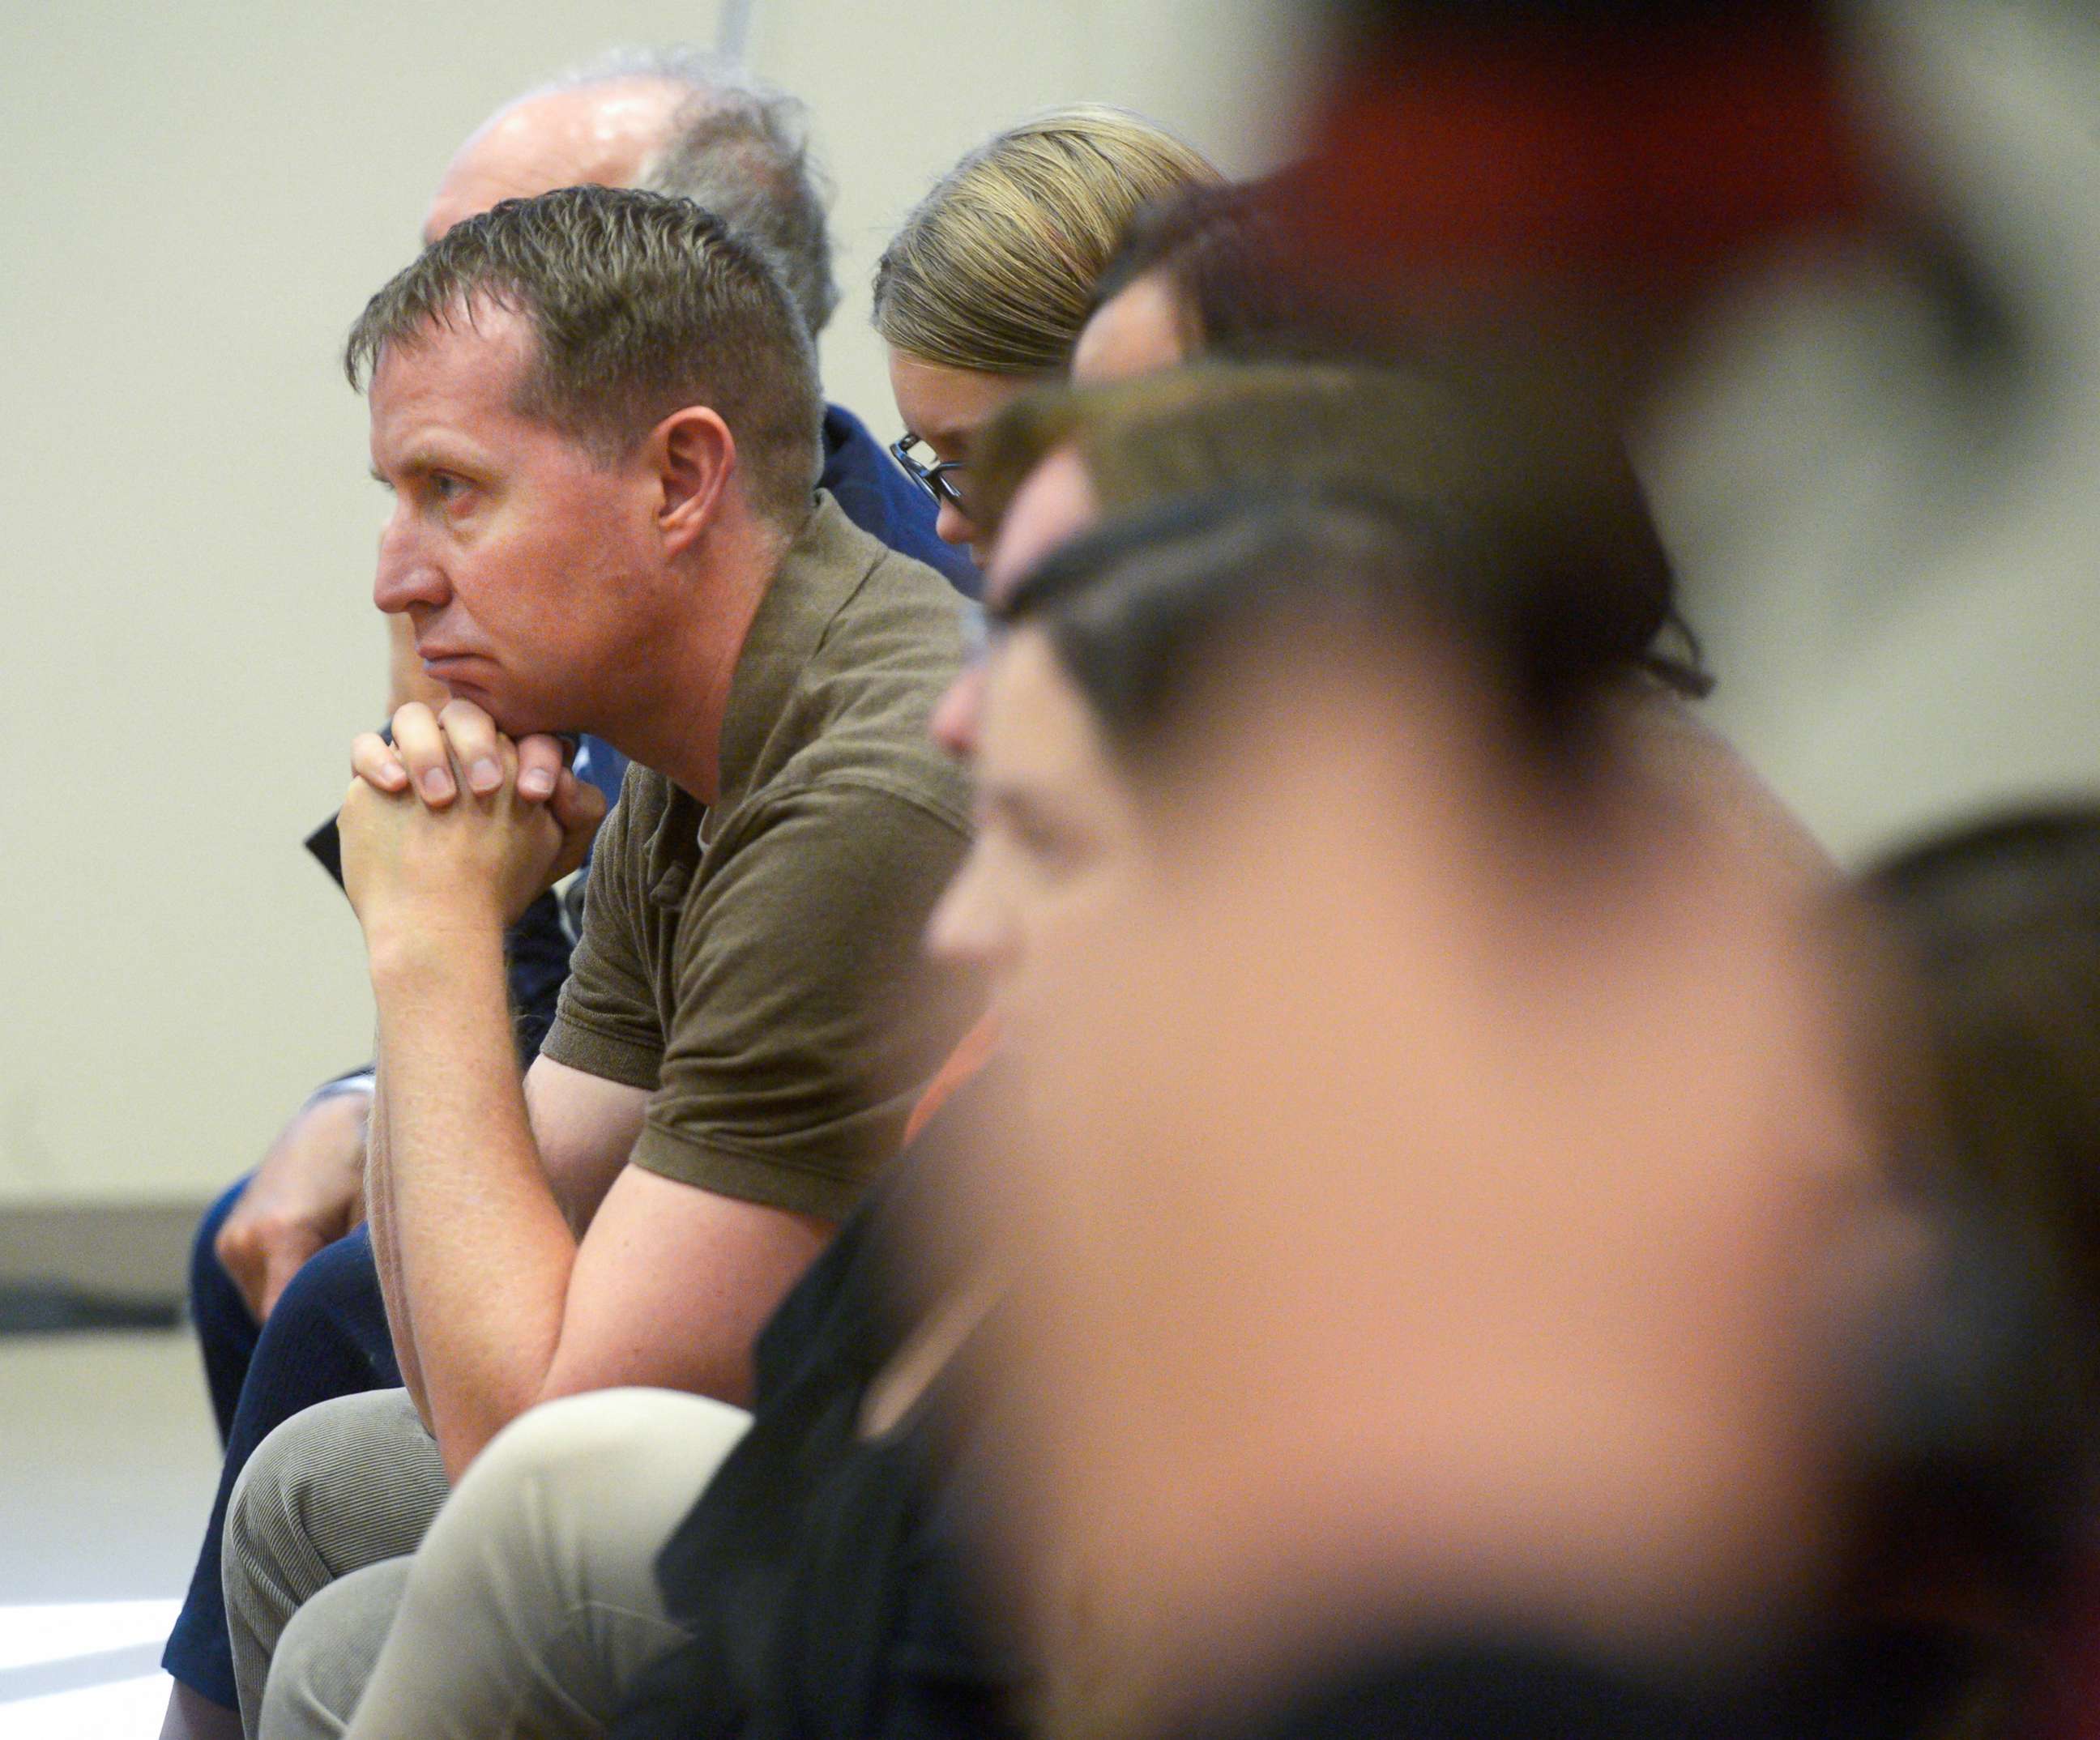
column 954, row 724
column 970, row 926
column 406, row 574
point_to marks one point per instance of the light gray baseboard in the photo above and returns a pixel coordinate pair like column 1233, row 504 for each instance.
column 130, row 1252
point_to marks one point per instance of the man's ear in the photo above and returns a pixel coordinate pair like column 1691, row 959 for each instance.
column 695, row 455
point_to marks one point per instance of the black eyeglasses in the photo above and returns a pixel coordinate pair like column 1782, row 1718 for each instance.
column 938, row 481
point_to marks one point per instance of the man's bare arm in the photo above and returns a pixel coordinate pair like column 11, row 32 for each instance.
column 584, row 1127
column 473, row 1248
column 480, row 1185
column 672, row 1285
column 502, row 1307
column 385, row 1251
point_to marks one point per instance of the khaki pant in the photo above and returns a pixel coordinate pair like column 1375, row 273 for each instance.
column 530, row 1605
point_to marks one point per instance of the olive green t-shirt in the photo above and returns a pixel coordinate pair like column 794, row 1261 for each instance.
column 758, row 965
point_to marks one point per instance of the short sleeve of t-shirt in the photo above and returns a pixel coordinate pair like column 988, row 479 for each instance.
column 807, row 1021
column 607, row 1022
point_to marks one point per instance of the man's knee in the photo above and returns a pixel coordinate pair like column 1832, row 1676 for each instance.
column 326, row 1653
column 335, row 1487
column 609, row 1471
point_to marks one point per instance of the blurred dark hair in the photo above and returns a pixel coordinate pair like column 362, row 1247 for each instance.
column 1986, row 1454
column 1223, row 253
column 1999, row 923
column 1138, row 609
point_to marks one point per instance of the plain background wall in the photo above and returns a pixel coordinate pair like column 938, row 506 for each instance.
column 1892, row 542
column 196, row 200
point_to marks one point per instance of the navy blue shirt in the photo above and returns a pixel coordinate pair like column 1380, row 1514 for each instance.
column 885, row 504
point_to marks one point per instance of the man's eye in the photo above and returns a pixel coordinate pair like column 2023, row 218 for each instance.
column 1053, row 850
column 445, row 486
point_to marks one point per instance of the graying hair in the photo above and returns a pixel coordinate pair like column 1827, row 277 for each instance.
column 740, row 148
column 744, row 155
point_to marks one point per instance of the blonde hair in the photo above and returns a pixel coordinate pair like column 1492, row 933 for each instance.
column 994, row 269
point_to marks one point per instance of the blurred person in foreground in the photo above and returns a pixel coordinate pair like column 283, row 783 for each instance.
column 1055, row 731
column 612, row 526
column 1992, row 993
column 1449, row 1216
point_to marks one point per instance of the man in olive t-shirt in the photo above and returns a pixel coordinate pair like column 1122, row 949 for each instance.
column 598, row 417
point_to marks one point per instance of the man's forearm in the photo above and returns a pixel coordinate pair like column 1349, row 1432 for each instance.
column 480, row 1248
column 386, row 1249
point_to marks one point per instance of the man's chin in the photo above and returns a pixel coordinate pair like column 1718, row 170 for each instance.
column 515, row 719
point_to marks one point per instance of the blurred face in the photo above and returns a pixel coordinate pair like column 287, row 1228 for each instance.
column 1496, row 1162
column 1140, row 330
column 945, row 408
column 1056, row 829
column 526, row 568
column 1055, row 502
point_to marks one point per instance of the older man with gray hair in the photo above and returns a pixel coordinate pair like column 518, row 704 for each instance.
column 283, row 1284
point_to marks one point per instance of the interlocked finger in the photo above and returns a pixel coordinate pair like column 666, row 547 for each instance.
column 420, row 741
column 476, row 745
column 373, row 760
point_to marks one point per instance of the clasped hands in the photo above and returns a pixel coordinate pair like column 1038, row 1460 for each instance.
column 454, row 823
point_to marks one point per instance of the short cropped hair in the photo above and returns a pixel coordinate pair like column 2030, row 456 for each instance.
column 993, row 270
column 742, row 150
column 639, row 305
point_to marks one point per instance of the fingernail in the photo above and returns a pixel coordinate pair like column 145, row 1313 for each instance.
column 485, row 775
column 393, row 775
column 536, row 782
column 437, row 783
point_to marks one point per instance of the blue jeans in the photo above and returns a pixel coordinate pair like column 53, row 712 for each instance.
column 327, row 1337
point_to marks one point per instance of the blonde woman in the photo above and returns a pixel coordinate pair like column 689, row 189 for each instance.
column 983, row 290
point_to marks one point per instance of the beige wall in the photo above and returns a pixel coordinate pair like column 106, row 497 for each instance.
column 1916, row 635
column 194, row 201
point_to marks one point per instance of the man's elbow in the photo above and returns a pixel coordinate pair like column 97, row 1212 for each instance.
column 723, row 1374
column 465, row 1429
